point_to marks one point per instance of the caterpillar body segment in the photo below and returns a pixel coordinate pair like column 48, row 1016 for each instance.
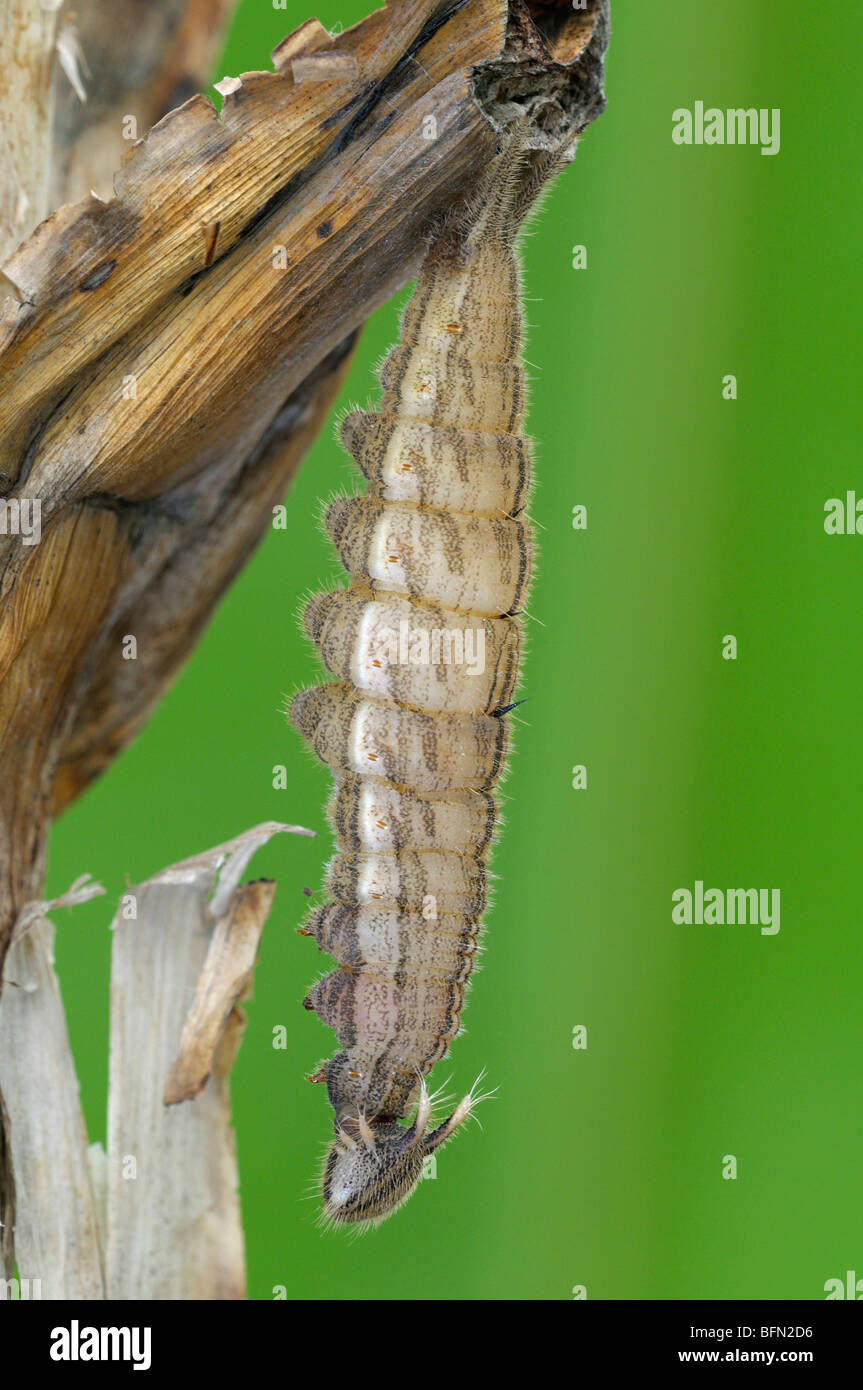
column 440, row 466
column 439, row 556
column 421, row 751
column 462, row 663
column 371, row 815
column 377, row 939
column 424, row 646
column 416, row 879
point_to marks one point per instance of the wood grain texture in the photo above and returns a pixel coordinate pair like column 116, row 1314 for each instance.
column 178, row 969
column 51, row 1221
column 46, row 117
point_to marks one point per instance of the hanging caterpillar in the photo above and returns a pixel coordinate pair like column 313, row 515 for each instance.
column 413, row 728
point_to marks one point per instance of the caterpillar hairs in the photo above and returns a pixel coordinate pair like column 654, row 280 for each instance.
column 438, row 551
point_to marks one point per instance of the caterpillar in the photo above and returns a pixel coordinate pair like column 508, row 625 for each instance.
column 424, row 646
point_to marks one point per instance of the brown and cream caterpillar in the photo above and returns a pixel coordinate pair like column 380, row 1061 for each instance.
column 424, row 645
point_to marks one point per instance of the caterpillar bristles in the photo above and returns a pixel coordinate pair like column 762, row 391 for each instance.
column 373, row 1167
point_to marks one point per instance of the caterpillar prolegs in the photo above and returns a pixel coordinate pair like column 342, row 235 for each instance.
column 424, row 645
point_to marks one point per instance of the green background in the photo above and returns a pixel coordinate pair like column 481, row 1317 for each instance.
column 705, row 517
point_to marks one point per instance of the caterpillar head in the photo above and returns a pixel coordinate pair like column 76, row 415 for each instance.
column 374, row 1165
